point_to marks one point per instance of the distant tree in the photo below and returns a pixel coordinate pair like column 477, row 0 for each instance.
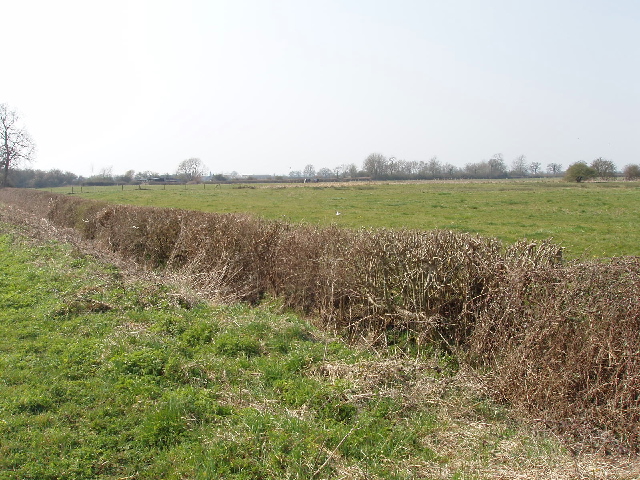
column 497, row 167
column 325, row 172
column 476, row 169
column 16, row 145
column 554, row 168
column 605, row 169
column 128, row 176
column 402, row 168
column 375, row 165
column 493, row 168
column 295, row 174
column 449, row 170
column 519, row 167
column 631, row 172
column 309, row 171
column 579, row 172
column 191, row 170
column 534, row 168
column 433, row 167
column 106, row 173
column 348, row 170
column 391, row 166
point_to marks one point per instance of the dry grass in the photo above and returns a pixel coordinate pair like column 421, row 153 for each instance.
column 560, row 341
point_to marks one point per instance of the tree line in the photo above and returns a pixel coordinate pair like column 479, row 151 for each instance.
column 17, row 148
column 374, row 167
column 379, row 167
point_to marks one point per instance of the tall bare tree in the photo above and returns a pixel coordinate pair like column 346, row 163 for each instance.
column 519, row 167
column 375, row 165
column 16, row 145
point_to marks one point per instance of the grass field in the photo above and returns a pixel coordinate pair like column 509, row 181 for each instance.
column 108, row 376
column 592, row 219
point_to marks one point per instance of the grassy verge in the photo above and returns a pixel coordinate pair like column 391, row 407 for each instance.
column 593, row 219
column 106, row 376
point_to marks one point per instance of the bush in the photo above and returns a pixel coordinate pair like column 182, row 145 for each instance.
column 563, row 343
column 631, row 172
column 579, row 172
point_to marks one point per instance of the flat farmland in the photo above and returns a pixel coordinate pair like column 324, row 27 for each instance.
column 591, row 219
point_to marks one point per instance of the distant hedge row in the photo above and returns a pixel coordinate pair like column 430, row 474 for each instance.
column 561, row 340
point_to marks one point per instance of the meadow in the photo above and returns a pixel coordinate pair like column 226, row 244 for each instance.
column 588, row 220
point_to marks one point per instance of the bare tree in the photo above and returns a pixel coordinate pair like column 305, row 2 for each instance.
column 16, row 145
column 309, row 171
column 519, row 166
column 346, row 170
column 554, row 168
column 449, row 170
column 497, row 167
column 604, row 168
column 631, row 172
column 325, row 172
column 534, row 168
column 434, row 167
column 191, row 169
column 375, row 165
column 106, row 173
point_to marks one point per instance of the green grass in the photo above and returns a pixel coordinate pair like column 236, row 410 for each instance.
column 593, row 219
column 107, row 377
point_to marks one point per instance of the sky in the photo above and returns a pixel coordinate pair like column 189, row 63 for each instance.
column 267, row 87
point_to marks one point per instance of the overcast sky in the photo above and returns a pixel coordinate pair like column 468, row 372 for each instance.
column 265, row 87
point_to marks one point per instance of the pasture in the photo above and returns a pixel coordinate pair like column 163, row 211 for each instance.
column 588, row 220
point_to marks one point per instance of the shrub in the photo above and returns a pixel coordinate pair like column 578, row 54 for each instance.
column 563, row 343
column 631, row 172
column 579, row 172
